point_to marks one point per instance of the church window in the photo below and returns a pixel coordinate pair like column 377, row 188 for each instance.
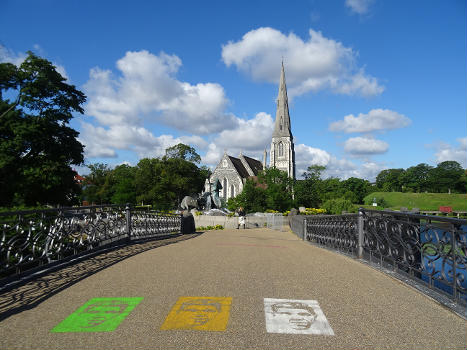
column 232, row 191
column 282, row 122
column 224, row 190
column 281, row 149
column 224, row 163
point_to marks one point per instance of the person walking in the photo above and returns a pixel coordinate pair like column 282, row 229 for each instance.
column 241, row 217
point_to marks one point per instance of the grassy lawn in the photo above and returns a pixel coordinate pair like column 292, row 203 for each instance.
column 423, row 201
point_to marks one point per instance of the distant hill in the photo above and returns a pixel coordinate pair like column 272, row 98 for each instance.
column 423, row 201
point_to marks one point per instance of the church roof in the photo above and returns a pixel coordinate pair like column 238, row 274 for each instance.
column 254, row 164
column 237, row 163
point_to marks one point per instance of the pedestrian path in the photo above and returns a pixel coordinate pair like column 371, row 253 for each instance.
column 233, row 289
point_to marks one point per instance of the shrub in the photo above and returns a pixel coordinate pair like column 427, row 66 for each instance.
column 337, row 206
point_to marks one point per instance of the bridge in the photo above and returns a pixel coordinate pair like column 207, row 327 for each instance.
column 110, row 277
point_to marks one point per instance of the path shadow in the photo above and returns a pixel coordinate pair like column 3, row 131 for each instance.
column 26, row 296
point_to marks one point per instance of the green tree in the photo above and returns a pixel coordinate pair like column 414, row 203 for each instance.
column 123, row 188
column 252, row 198
column 184, row 152
column 94, row 189
column 446, row 177
column 278, row 188
column 308, row 191
column 416, row 178
column 390, row 180
column 164, row 182
column 37, row 147
column 355, row 189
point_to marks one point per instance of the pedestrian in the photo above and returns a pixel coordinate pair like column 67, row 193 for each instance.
column 241, row 217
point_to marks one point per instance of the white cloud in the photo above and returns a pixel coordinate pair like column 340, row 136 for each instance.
column 7, row 55
column 104, row 141
column 340, row 168
column 375, row 120
column 448, row 152
column 146, row 88
column 365, row 146
column 312, row 65
column 250, row 137
column 359, row 6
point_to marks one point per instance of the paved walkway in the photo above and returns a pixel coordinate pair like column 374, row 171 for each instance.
column 243, row 272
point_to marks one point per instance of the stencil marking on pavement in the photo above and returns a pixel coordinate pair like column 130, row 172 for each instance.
column 295, row 317
column 199, row 313
column 98, row 315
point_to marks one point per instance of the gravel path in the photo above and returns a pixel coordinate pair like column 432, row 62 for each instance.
column 365, row 308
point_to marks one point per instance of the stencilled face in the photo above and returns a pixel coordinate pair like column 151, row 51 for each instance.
column 295, row 317
column 199, row 312
column 98, row 313
column 299, row 316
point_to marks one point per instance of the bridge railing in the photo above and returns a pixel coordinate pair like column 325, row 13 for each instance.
column 34, row 238
column 427, row 249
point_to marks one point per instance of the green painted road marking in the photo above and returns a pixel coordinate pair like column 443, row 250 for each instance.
column 98, row 315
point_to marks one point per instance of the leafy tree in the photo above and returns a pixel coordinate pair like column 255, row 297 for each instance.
column 308, row 191
column 446, row 177
column 337, row 206
column 252, row 198
column 184, row 152
column 278, row 188
column 416, row 178
column 390, row 180
column 356, row 189
column 123, row 188
column 94, row 189
column 37, row 147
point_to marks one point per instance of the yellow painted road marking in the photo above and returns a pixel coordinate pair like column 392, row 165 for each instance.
column 199, row 313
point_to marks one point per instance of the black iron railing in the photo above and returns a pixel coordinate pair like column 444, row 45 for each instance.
column 34, row 238
column 427, row 249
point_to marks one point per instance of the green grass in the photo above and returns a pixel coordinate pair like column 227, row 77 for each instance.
column 423, row 201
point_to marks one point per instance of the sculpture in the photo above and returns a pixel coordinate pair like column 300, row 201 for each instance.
column 215, row 188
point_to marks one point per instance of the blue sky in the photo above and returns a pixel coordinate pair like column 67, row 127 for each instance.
column 372, row 84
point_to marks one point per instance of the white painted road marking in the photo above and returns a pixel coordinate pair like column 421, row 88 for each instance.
column 295, row 317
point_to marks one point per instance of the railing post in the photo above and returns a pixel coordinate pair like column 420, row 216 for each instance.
column 454, row 262
column 304, row 229
column 360, row 233
column 128, row 221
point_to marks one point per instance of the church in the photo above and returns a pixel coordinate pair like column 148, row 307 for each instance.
column 233, row 172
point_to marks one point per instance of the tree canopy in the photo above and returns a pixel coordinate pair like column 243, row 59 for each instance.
column 37, row 147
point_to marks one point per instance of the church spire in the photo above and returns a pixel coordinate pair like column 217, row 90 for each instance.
column 282, row 155
column 282, row 125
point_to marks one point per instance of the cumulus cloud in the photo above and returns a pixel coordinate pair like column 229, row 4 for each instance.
column 104, row 141
column 335, row 167
column 365, row 146
column 311, row 65
column 448, row 152
column 146, row 87
column 359, row 6
column 374, row 120
column 251, row 135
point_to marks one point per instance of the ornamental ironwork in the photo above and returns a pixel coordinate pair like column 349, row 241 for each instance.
column 30, row 239
column 333, row 231
column 427, row 249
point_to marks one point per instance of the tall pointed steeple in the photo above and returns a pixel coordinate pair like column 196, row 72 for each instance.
column 282, row 154
column 282, row 125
